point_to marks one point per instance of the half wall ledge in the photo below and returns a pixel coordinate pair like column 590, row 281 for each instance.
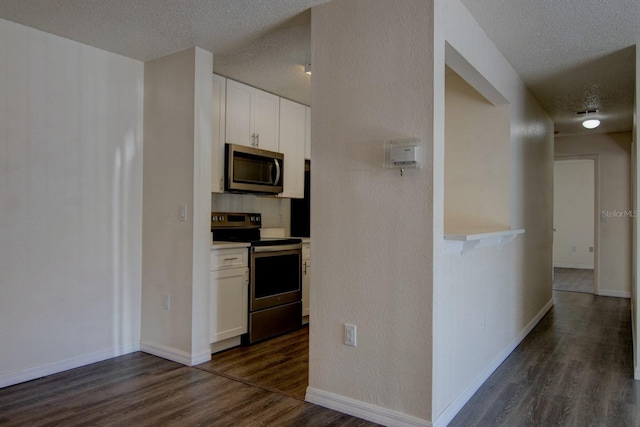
column 466, row 240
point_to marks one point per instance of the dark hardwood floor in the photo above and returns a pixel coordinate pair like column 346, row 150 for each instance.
column 574, row 369
column 143, row 390
column 573, row 280
column 280, row 364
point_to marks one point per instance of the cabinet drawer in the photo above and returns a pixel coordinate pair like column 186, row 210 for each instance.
column 229, row 258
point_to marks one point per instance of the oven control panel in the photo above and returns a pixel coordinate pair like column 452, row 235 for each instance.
column 235, row 219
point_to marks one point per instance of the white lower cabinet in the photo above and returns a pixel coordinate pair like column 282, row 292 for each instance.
column 229, row 294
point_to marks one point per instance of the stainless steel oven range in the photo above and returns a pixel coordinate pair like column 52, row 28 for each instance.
column 275, row 285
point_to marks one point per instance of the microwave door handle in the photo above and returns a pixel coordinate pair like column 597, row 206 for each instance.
column 277, row 163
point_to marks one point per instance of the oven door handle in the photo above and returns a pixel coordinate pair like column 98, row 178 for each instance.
column 276, row 248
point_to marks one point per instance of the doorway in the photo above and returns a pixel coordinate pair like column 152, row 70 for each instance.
column 575, row 220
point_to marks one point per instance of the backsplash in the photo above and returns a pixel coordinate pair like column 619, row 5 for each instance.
column 276, row 212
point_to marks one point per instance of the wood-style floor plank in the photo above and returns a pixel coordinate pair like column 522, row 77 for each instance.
column 280, row 364
column 573, row 280
column 574, row 369
column 143, row 390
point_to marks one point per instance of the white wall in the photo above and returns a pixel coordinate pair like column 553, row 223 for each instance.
column 70, row 203
column 486, row 300
column 573, row 213
column 614, row 176
column 371, row 228
column 177, row 171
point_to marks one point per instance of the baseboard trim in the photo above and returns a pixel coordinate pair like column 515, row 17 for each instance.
column 12, row 378
column 367, row 411
column 616, row 294
column 175, row 355
column 454, row 407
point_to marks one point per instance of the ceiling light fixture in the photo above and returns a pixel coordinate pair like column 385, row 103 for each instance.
column 589, row 122
column 307, row 69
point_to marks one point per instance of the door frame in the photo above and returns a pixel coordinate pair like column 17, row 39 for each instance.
column 596, row 211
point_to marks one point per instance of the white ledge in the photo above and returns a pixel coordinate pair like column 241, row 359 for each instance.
column 465, row 240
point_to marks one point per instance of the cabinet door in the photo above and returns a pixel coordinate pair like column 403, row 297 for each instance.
column 218, row 120
column 307, row 139
column 266, row 110
column 292, row 136
column 229, row 303
column 238, row 114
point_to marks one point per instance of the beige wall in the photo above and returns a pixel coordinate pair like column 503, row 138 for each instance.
column 477, row 157
column 486, row 300
column 377, row 237
column 70, row 203
column 371, row 228
column 174, row 257
column 614, row 181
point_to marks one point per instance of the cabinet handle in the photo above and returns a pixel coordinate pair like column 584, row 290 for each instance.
column 305, row 268
column 231, row 259
column 257, row 140
column 253, row 138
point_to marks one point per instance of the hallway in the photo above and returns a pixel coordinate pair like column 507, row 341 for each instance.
column 573, row 280
column 575, row 369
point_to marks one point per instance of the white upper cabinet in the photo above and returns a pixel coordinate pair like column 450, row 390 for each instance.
column 218, row 131
column 292, row 144
column 307, row 139
column 251, row 117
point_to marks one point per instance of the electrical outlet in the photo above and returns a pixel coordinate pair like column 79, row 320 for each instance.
column 573, row 248
column 166, row 302
column 590, row 248
column 350, row 334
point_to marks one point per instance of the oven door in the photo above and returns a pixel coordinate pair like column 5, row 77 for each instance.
column 276, row 276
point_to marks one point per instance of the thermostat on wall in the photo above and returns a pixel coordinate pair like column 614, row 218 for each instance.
column 402, row 153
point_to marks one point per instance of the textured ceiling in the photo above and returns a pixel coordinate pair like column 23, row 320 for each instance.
column 573, row 54
column 261, row 42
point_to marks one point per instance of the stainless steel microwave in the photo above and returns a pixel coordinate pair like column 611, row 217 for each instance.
column 252, row 170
